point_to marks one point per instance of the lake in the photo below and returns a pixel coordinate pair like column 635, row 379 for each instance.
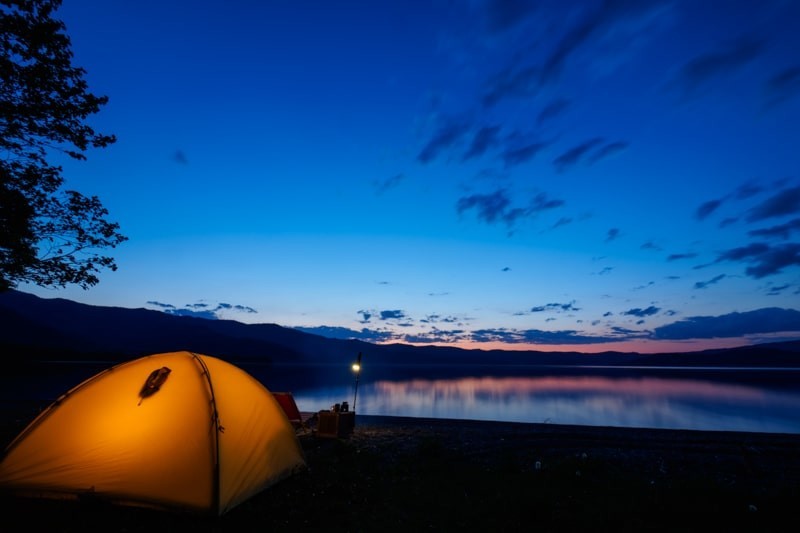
column 741, row 399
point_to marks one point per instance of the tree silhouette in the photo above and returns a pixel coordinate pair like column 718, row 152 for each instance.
column 48, row 236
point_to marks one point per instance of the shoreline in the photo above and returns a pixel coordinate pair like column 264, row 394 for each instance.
column 473, row 475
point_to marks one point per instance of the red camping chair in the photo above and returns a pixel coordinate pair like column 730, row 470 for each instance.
column 287, row 403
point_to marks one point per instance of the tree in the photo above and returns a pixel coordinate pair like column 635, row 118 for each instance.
column 48, row 236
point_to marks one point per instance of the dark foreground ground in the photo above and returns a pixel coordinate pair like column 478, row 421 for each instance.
column 395, row 474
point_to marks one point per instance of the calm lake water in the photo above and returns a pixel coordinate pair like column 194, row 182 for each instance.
column 760, row 400
column 745, row 399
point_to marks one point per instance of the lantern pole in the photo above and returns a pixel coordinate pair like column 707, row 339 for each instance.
column 357, row 369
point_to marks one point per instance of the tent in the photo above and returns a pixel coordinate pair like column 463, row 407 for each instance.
column 175, row 431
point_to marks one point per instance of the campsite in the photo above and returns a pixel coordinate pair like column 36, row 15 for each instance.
column 132, row 449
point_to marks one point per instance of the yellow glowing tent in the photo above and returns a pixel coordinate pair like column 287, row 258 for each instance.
column 174, row 430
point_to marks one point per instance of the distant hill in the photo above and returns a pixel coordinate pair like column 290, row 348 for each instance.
column 34, row 328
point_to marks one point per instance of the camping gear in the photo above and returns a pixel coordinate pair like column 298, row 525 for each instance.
column 289, row 406
column 174, row 431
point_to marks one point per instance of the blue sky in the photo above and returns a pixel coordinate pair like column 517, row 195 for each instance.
column 597, row 175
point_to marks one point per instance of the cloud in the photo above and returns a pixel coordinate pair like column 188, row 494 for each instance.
column 767, row 320
column 775, row 291
column 484, row 139
column 650, row 245
column 608, row 150
column 748, row 190
column 389, row 183
column 502, row 15
column 645, row 286
column 436, row 319
column 201, row 309
column 496, row 206
column 558, row 307
column 392, row 314
column 366, row 316
column 782, row 87
column 538, row 336
column 517, row 156
column 612, row 234
column 783, row 231
column 491, row 207
column 766, row 260
column 506, row 269
column 366, row 335
column 707, row 208
column 180, row 157
column 572, row 156
column 563, row 221
column 553, row 110
column 707, row 67
column 676, row 257
column 160, row 304
column 609, row 14
column 712, row 281
column 208, row 315
column 512, row 82
column 785, row 202
column 641, row 313
column 448, row 133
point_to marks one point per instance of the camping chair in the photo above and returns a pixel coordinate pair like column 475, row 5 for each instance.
column 287, row 403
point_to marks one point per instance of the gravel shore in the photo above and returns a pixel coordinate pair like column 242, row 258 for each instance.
column 408, row 474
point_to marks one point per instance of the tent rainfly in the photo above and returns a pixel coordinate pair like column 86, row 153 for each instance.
column 178, row 431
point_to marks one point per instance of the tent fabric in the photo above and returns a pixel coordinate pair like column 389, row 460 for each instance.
column 208, row 438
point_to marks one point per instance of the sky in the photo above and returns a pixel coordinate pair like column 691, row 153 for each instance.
column 587, row 175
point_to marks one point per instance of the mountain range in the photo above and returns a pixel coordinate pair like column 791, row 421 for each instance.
column 34, row 328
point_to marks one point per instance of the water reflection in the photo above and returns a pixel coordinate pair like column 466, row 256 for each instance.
column 757, row 400
column 584, row 400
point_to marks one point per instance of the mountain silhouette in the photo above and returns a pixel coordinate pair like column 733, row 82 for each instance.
column 35, row 328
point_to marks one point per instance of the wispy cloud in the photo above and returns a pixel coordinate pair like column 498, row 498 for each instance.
column 201, row 309
column 707, row 208
column 502, row 15
column 712, row 281
column 448, row 133
column 765, row 260
column 552, row 110
column 608, row 150
column 496, row 206
column 514, row 156
column 558, row 307
column 391, row 182
column 785, row 202
column 704, row 68
column 572, row 156
column 782, row 87
column 677, row 257
column 484, row 139
column 783, row 231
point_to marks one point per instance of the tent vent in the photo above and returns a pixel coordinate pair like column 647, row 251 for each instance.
column 154, row 382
